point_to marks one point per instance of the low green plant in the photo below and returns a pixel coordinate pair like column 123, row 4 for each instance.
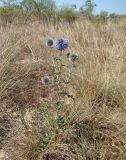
column 43, row 144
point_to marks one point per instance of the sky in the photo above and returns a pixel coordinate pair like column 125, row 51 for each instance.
column 112, row 6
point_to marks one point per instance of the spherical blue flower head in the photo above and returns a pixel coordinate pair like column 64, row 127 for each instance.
column 60, row 44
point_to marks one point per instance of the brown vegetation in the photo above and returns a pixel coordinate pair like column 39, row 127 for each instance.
column 97, row 120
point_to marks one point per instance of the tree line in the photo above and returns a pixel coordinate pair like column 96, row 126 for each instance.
column 46, row 10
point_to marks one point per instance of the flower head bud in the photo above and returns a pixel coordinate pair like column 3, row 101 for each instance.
column 50, row 42
column 45, row 80
column 72, row 56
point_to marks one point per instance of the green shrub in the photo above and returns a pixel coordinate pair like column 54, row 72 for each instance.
column 12, row 13
column 6, row 14
column 113, row 17
column 67, row 14
column 103, row 16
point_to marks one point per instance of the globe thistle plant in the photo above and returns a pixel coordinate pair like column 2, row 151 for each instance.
column 72, row 57
column 60, row 44
column 60, row 79
column 45, row 80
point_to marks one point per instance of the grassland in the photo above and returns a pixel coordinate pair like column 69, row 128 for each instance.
column 97, row 128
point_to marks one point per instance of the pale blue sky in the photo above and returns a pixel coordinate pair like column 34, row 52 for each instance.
column 116, row 6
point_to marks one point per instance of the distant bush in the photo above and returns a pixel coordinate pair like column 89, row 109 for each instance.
column 87, row 9
column 103, row 16
column 8, row 13
column 67, row 14
column 39, row 9
column 113, row 17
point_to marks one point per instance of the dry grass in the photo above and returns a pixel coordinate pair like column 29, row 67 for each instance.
column 97, row 128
